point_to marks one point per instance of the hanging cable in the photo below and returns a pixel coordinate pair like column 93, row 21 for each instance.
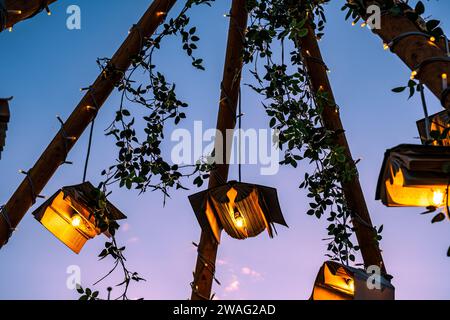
column 240, row 134
column 88, row 154
column 425, row 111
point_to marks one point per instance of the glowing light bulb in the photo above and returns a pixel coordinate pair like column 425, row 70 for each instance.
column 238, row 219
column 385, row 46
column 432, row 39
column 364, row 24
column 444, row 81
column 160, row 13
column 76, row 221
column 438, row 198
column 354, row 23
column 413, row 74
column 239, row 222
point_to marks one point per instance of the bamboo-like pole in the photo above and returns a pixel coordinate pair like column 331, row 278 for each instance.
column 55, row 154
column 415, row 49
column 317, row 73
column 19, row 10
column 207, row 248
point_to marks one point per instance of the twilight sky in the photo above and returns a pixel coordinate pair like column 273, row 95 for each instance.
column 43, row 65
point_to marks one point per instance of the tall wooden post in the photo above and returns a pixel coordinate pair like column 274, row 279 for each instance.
column 317, row 73
column 414, row 49
column 55, row 154
column 207, row 249
column 19, row 10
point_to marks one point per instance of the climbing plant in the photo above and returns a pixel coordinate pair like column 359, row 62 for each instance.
column 140, row 164
column 295, row 110
column 356, row 10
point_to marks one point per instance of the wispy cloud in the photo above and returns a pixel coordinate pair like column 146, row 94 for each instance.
column 125, row 227
column 221, row 262
column 133, row 240
column 251, row 273
column 233, row 285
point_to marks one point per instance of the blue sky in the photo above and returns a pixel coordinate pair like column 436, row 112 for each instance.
column 43, row 65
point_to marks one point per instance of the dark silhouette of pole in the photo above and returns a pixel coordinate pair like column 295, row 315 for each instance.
column 207, row 248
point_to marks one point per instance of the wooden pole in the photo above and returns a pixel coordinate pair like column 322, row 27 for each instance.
column 414, row 49
column 207, row 249
column 19, row 10
column 317, row 73
column 55, row 154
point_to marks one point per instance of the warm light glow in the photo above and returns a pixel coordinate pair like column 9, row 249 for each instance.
column 240, row 222
column 385, row 46
column 353, row 23
column 432, row 39
column 160, row 13
column 414, row 74
column 335, row 286
column 438, row 198
column 10, row 29
column 76, row 221
column 400, row 195
column 444, row 76
column 363, row 25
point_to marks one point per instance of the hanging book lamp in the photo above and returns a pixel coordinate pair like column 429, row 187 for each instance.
column 439, row 122
column 415, row 176
column 69, row 215
column 338, row 282
column 243, row 210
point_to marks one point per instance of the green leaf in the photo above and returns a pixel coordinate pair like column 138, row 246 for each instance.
column 420, row 8
column 438, row 218
column 398, row 89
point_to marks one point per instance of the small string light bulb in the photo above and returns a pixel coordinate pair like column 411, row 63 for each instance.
column 386, row 46
column 432, row 39
column 444, row 81
column 413, row 74
column 364, row 24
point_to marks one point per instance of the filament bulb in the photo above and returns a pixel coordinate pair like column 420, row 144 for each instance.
column 76, row 221
column 239, row 219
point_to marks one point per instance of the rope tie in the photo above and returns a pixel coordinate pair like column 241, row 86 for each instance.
column 228, row 103
column 210, row 266
column 138, row 28
column 66, row 138
column 34, row 196
column 5, row 217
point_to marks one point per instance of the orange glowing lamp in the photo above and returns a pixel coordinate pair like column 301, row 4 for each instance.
column 243, row 210
column 69, row 215
column 338, row 282
column 415, row 176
